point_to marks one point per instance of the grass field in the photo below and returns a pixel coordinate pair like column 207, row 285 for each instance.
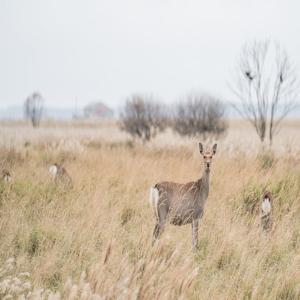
column 94, row 241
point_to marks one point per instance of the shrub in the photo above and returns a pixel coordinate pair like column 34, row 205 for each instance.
column 199, row 115
column 142, row 118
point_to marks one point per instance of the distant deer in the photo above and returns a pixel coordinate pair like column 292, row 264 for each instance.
column 60, row 175
column 181, row 204
column 6, row 176
column 266, row 208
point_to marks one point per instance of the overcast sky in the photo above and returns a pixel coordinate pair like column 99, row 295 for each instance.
column 89, row 50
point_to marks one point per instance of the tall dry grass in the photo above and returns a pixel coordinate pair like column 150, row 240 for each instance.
column 94, row 241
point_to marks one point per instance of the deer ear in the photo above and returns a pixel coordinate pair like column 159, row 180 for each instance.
column 201, row 148
column 214, row 148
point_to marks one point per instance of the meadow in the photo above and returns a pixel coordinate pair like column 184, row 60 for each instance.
column 94, row 241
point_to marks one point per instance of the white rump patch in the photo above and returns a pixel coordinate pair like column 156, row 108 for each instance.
column 53, row 170
column 7, row 178
column 154, row 197
column 266, row 206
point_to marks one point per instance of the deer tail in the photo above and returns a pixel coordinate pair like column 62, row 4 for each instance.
column 154, row 197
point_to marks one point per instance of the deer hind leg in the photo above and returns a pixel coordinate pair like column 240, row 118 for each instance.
column 195, row 225
column 162, row 214
column 158, row 230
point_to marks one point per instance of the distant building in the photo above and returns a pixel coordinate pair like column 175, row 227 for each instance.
column 97, row 110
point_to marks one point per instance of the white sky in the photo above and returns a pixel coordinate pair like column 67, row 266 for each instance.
column 89, row 50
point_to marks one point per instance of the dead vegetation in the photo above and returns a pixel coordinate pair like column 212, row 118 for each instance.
column 95, row 240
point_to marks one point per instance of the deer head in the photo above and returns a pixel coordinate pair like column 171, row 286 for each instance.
column 207, row 155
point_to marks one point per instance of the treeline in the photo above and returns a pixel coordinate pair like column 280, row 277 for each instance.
column 143, row 117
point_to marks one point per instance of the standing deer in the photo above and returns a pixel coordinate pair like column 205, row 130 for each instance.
column 60, row 175
column 266, row 207
column 6, row 177
column 182, row 204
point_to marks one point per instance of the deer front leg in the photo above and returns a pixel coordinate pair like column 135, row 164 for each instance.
column 195, row 225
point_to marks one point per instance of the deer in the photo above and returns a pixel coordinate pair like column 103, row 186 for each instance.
column 60, row 174
column 6, row 176
column 181, row 204
column 266, row 207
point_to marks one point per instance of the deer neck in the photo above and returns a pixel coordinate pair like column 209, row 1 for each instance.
column 205, row 176
column 205, row 180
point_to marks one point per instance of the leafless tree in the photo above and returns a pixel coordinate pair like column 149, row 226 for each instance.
column 142, row 117
column 199, row 114
column 266, row 87
column 33, row 108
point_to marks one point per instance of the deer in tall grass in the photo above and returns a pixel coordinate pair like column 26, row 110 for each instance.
column 6, row 176
column 266, row 209
column 181, row 204
column 60, row 175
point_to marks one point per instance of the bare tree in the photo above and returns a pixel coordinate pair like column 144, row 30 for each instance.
column 266, row 87
column 33, row 108
column 142, row 117
column 285, row 93
column 199, row 114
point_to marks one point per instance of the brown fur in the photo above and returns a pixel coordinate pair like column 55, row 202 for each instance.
column 6, row 176
column 62, row 176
